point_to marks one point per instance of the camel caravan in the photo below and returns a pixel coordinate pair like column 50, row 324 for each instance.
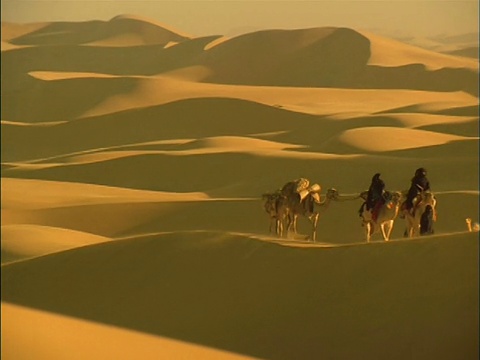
column 300, row 198
column 296, row 198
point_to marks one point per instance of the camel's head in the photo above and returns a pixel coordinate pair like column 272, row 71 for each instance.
column 392, row 198
column 428, row 197
column 364, row 195
column 332, row 194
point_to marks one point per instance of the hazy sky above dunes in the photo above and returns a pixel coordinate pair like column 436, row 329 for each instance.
column 230, row 17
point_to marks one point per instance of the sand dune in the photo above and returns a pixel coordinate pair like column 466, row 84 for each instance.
column 106, row 342
column 50, row 194
column 132, row 218
column 304, row 57
column 123, row 30
column 24, row 241
column 299, row 303
column 388, row 52
column 103, row 94
column 388, row 139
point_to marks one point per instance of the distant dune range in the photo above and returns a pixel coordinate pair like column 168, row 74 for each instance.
column 134, row 158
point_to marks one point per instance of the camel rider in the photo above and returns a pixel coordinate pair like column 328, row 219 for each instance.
column 375, row 193
column 419, row 183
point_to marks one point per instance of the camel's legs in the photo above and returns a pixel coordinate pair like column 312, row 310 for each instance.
column 292, row 223
column 314, row 220
column 272, row 221
column 368, row 230
column 384, row 234
column 278, row 227
column 387, row 229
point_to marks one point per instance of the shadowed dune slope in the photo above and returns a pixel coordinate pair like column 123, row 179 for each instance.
column 336, row 57
column 378, row 301
column 124, row 60
column 307, row 57
column 233, row 173
column 472, row 52
column 186, row 119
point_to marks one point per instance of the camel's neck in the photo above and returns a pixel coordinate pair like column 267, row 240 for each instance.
column 324, row 204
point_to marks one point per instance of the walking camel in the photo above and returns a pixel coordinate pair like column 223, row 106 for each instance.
column 304, row 204
column 385, row 216
column 276, row 207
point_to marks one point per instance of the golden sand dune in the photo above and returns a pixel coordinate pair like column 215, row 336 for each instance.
column 46, row 330
column 26, row 240
column 391, row 53
column 51, row 194
column 119, row 31
column 388, row 139
column 132, row 194
column 12, row 30
column 99, row 94
column 309, row 56
column 292, row 302
column 417, row 120
column 304, row 57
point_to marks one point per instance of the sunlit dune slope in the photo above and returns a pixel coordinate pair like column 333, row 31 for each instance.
column 212, row 289
column 379, row 139
column 51, row 194
column 24, row 241
column 86, row 208
column 29, row 332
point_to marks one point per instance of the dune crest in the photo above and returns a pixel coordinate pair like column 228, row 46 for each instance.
column 24, row 241
column 391, row 53
column 389, row 139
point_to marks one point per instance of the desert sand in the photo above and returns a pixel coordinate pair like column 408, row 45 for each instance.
column 134, row 158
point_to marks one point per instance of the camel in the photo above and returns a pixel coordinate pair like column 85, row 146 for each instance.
column 276, row 207
column 470, row 227
column 303, row 204
column 413, row 217
column 385, row 218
